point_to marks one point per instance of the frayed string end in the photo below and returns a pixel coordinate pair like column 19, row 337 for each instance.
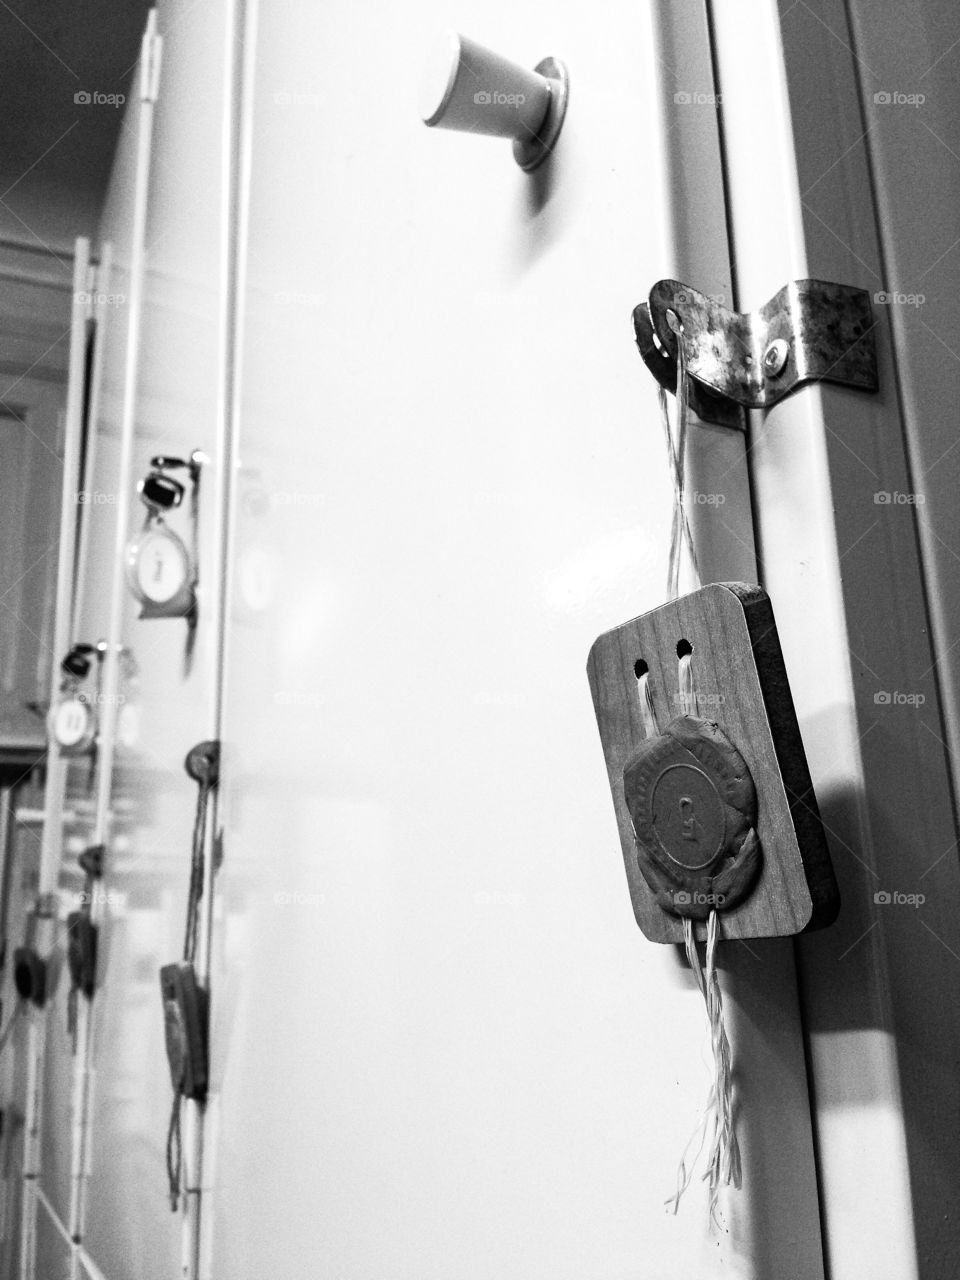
column 723, row 1162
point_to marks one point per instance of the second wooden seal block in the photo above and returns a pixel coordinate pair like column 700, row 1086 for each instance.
column 742, row 687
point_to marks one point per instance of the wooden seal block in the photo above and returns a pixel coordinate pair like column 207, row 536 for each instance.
column 742, row 688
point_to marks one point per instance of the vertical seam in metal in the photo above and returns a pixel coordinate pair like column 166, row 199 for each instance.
column 754, row 420
column 753, row 417
column 927, row 586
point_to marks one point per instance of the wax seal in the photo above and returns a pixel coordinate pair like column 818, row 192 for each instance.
column 694, row 811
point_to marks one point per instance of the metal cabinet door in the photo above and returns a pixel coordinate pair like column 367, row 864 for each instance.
column 160, row 396
column 441, row 1046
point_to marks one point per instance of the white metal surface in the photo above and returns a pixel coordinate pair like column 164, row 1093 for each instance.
column 440, row 1044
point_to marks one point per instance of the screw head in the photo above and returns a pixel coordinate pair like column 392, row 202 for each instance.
column 775, row 357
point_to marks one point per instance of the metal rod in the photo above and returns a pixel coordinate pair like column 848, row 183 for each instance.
column 51, row 840
column 102, row 292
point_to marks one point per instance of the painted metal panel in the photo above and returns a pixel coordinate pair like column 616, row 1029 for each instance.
column 441, row 1046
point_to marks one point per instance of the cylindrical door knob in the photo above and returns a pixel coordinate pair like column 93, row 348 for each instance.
column 467, row 87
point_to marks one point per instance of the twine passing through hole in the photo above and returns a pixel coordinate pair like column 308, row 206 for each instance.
column 717, row 1123
column 676, row 438
column 688, row 694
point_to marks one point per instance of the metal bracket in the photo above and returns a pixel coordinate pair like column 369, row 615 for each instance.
column 811, row 331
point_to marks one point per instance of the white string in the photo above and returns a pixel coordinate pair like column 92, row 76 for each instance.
column 723, row 1164
column 717, row 1120
column 648, row 715
column 689, row 705
column 676, row 438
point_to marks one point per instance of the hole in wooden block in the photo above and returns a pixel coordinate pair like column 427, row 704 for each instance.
column 640, row 668
column 683, row 648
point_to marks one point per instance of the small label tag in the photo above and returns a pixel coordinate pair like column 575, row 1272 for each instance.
column 159, row 573
column 72, row 725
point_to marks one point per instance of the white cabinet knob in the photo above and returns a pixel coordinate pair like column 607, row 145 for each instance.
column 467, row 87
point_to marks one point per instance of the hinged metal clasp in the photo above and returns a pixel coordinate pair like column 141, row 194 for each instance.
column 811, row 330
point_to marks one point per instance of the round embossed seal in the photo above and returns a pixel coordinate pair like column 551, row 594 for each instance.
column 694, row 810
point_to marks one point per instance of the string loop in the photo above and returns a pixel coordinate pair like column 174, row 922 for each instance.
column 676, row 437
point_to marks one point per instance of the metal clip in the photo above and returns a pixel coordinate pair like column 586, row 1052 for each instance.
column 810, row 331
